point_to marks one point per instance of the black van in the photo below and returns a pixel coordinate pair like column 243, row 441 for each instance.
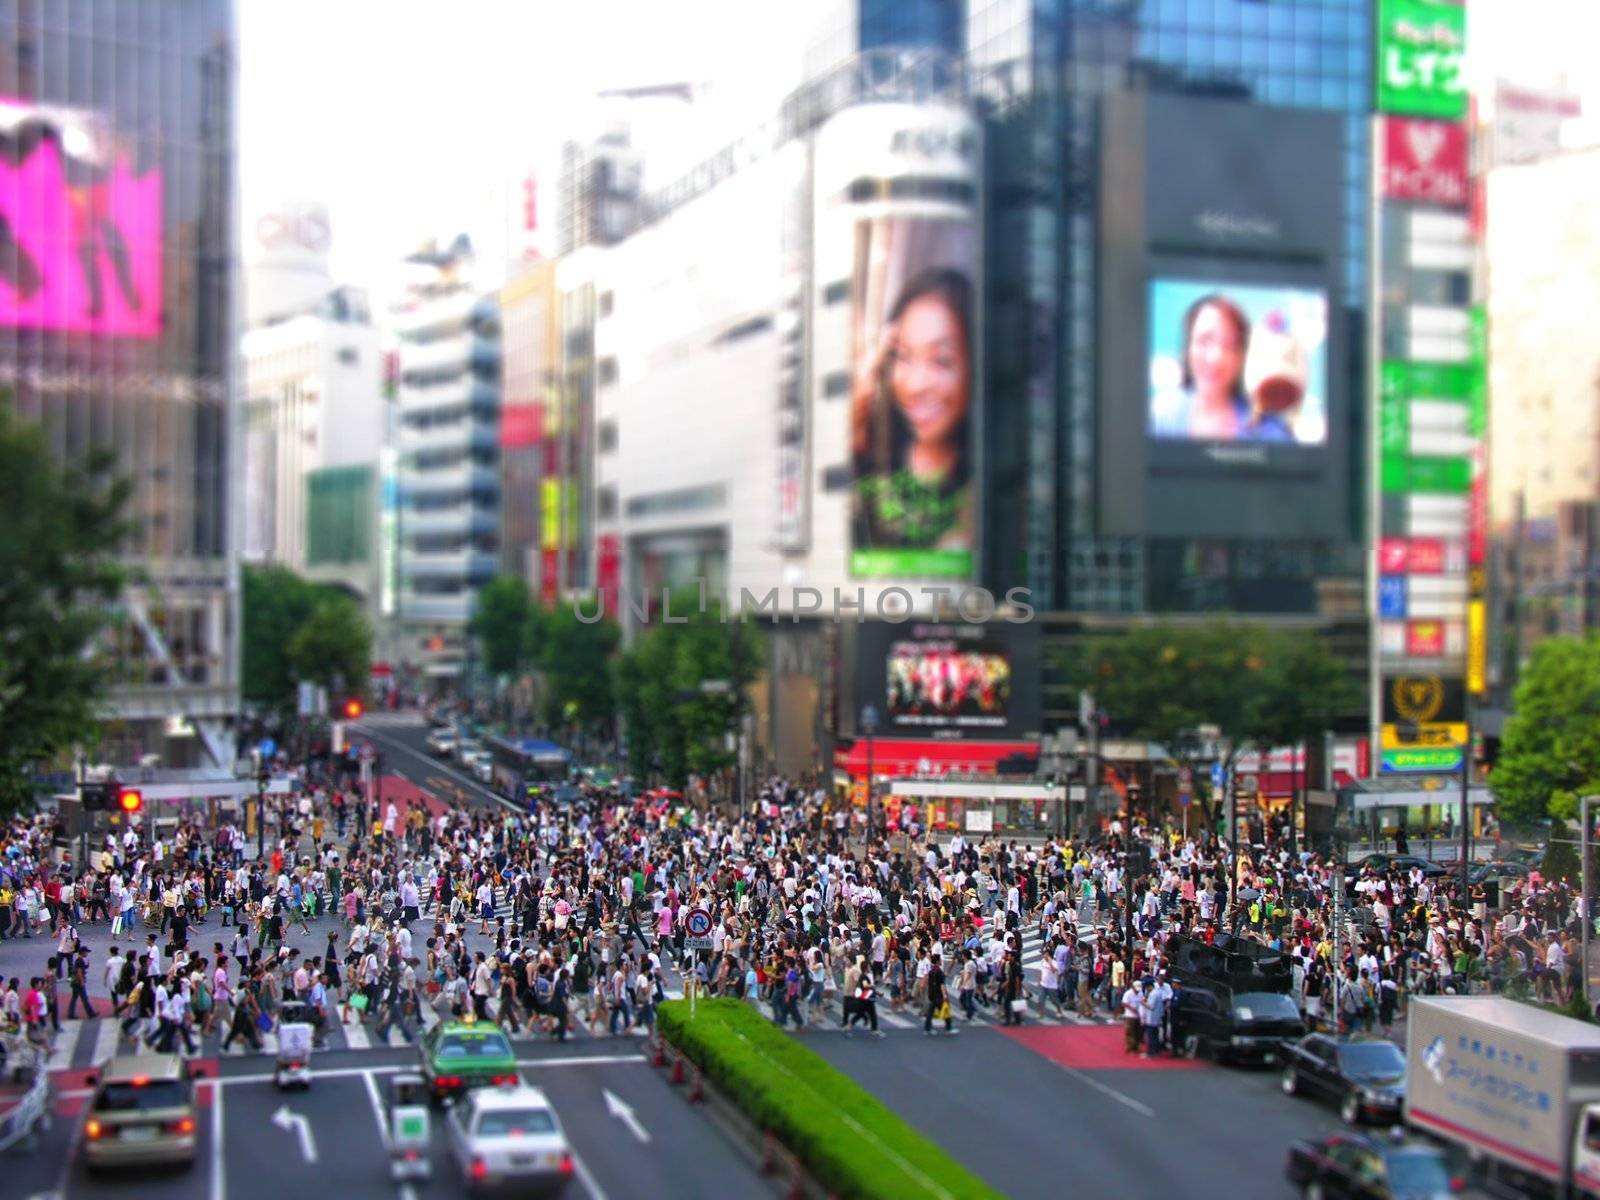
column 1234, row 1026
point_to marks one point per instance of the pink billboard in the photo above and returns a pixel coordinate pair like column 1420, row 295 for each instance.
column 80, row 231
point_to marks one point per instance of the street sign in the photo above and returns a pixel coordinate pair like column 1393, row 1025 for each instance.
column 697, row 927
column 367, row 752
column 267, row 748
column 1217, row 776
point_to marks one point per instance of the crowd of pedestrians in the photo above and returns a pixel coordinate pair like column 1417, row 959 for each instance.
column 575, row 914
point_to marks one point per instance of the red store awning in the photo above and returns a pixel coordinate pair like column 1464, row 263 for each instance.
column 907, row 756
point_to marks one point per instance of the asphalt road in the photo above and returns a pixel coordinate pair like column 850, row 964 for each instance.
column 405, row 752
column 1035, row 1128
column 674, row 1152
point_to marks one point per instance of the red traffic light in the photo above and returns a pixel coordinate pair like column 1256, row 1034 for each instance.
column 353, row 710
column 129, row 800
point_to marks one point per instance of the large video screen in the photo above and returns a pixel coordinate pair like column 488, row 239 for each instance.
column 948, row 685
column 914, row 508
column 1232, row 362
column 80, row 229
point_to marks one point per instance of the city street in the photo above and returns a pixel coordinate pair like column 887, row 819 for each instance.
column 674, row 1151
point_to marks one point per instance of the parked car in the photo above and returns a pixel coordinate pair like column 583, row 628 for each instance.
column 509, row 1137
column 1365, row 1076
column 1497, row 869
column 1369, row 1167
column 1238, row 1027
column 1395, row 862
column 441, row 743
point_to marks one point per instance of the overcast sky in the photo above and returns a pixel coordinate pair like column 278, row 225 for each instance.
column 415, row 117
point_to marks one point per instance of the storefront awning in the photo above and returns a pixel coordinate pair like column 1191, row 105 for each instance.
column 907, row 756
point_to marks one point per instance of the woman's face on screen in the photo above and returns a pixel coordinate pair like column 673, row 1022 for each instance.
column 1216, row 352
column 929, row 371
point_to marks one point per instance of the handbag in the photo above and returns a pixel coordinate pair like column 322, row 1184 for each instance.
column 1019, row 1006
column 264, row 1022
column 358, row 1001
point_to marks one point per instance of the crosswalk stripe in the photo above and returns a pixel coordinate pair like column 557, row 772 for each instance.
column 357, row 1037
column 105, row 1040
column 66, row 1042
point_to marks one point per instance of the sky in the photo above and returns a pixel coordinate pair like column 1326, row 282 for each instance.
column 412, row 118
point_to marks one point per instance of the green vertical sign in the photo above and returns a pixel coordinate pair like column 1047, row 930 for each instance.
column 1420, row 70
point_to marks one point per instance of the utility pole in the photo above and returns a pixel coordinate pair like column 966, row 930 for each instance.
column 1585, row 908
column 1466, row 810
column 869, row 725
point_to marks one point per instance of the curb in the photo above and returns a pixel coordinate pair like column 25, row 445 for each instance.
column 785, row 1172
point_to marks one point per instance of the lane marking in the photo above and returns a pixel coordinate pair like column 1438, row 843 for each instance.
column 1144, row 1110
column 218, row 1175
column 435, row 764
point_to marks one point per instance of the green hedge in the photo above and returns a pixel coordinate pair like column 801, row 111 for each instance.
column 851, row 1144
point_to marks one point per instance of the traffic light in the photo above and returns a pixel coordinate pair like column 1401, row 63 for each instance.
column 129, row 801
column 353, row 709
column 93, row 796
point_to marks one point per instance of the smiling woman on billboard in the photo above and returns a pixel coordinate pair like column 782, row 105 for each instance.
column 913, row 506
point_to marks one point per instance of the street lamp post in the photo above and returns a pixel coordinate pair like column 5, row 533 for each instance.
column 1588, row 916
column 1466, row 814
column 263, row 774
column 869, row 726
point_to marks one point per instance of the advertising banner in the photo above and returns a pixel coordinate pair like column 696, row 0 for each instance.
column 1425, row 161
column 1421, row 58
column 1477, row 647
column 1423, row 699
column 948, row 683
column 1425, row 639
column 913, row 412
column 1238, row 363
column 80, row 228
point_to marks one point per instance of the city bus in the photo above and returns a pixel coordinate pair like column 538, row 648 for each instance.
column 515, row 763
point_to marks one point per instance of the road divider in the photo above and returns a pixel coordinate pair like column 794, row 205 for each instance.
column 848, row 1141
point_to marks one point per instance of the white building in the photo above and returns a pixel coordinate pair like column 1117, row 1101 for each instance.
column 447, row 440
column 314, row 402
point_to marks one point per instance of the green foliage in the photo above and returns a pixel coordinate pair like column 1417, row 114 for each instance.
column 500, row 622
column 850, row 1142
column 1561, row 858
column 58, row 580
column 295, row 629
column 1259, row 687
column 574, row 656
column 1550, row 752
column 659, row 689
column 333, row 646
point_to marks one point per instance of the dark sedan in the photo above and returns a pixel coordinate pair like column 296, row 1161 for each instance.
column 1371, row 1168
column 1395, row 862
column 1480, row 872
column 1365, row 1076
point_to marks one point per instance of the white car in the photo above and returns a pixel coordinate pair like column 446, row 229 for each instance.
column 441, row 743
column 508, row 1137
column 483, row 766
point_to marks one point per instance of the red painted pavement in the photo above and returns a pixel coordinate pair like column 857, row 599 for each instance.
column 402, row 791
column 1092, row 1048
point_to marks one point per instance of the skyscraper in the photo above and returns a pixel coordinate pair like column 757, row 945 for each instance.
column 118, row 125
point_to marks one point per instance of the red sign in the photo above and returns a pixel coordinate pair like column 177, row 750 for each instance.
column 1427, row 556
column 1478, row 512
column 521, row 425
column 609, row 572
column 1424, row 639
column 1425, row 160
column 547, row 578
column 1394, row 556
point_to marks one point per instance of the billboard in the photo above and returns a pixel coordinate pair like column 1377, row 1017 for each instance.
column 1422, row 58
column 948, row 683
column 914, row 501
column 1233, row 362
column 80, row 229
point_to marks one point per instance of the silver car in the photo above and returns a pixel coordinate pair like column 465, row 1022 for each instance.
column 508, row 1138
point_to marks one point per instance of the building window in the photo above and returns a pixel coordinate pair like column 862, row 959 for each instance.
column 349, row 356
column 746, row 329
column 606, row 503
column 608, row 371
column 607, row 435
column 837, row 479
column 608, row 302
column 836, row 383
column 680, row 500
column 836, row 292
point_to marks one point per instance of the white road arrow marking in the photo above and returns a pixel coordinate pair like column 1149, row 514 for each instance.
column 286, row 1120
column 617, row 1108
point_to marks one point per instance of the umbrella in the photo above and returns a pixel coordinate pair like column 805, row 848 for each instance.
column 1249, row 893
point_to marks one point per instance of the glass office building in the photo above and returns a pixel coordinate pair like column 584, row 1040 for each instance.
column 1045, row 70
column 117, row 319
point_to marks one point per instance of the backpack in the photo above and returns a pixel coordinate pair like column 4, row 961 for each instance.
column 542, row 989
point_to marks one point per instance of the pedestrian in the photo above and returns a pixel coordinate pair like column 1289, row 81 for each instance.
column 78, row 977
column 938, row 1004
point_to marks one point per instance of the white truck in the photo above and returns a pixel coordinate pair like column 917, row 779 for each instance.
column 1517, row 1087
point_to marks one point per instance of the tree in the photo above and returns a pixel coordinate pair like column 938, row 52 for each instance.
column 297, row 630
column 500, row 623
column 575, row 658
column 333, row 646
column 59, row 577
column 681, row 689
column 1257, row 688
column 1550, row 752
